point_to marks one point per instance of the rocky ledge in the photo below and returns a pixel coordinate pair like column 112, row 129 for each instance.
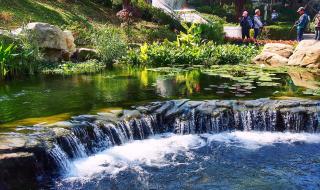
column 32, row 156
column 306, row 54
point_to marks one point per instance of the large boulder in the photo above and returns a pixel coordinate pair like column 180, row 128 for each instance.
column 283, row 50
column 271, row 59
column 274, row 54
column 50, row 38
column 307, row 54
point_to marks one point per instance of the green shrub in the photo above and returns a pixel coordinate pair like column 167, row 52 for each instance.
column 170, row 53
column 158, row 33
column 20, row 56
column 213, row 31
column 234, row 54
column 110, row 43
column 279, row 31
column 6, row 56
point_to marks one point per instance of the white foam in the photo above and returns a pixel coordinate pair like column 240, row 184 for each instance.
column 255, row 140
column 152, row 152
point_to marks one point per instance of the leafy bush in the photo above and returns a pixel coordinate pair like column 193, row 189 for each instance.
column 226, row 11
column 110, row 43
column 213, row 31
column 279, row 31
column 233, row 54
column 158, row 33
column 169, row 53
column 19, row 56
column 6, row 55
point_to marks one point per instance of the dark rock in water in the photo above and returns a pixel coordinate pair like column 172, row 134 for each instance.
column 50, row 149
column 18, row 170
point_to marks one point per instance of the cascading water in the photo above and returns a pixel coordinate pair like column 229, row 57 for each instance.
column 182, row 117
column 89, row 135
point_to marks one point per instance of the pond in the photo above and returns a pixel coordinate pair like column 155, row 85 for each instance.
column 54, row 98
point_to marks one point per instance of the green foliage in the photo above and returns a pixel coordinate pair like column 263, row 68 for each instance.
column 82, row 32
column 225, row 11
column 192, row 37
column 158, row 33
column 68, row 68
column 110, row 43
column 279, row 31
column 233, row 54
column 19, row 57
column 170, row 53
column 213, row 31
column 6, row 55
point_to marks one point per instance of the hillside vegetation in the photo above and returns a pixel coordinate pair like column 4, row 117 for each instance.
column 14, row 13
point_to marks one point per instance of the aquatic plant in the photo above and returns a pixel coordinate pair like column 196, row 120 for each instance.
column 6, row 55
column 68, row 68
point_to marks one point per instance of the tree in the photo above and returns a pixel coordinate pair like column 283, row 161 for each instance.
column 126, row 3
column 239, row 7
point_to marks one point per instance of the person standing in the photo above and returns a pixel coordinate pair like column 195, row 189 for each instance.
column 302, row 23
column 257, row 23
column 246, row 24
column 317, row 26
column 274, row 16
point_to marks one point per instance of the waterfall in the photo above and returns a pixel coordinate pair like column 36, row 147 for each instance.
column 90, row 134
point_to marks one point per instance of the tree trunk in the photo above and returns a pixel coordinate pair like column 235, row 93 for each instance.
column 126, row 3
column 239, row 7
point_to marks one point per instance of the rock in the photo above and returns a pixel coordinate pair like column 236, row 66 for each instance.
column 18, row 170
column 283, row 50
column 307, row 54
column 57, row 44
column 271, row 59
column 83, row 54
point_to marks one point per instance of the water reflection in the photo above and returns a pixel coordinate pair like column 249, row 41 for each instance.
column 80, row 94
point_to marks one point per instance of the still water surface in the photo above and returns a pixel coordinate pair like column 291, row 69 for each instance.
column 51, row 98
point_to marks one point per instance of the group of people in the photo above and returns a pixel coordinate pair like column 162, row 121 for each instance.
column 256, row 24
column 247, row 23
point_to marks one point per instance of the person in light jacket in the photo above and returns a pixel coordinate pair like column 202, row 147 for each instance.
column 258, row 25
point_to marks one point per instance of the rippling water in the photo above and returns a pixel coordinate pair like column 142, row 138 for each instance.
column 236, row 160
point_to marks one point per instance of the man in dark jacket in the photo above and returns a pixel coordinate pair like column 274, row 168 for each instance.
column 246, row 25
column 302, row 23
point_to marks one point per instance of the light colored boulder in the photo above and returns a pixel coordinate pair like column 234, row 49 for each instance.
column 271, row 59
column 48, row 36
column 283, row 50
column 307, row 54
